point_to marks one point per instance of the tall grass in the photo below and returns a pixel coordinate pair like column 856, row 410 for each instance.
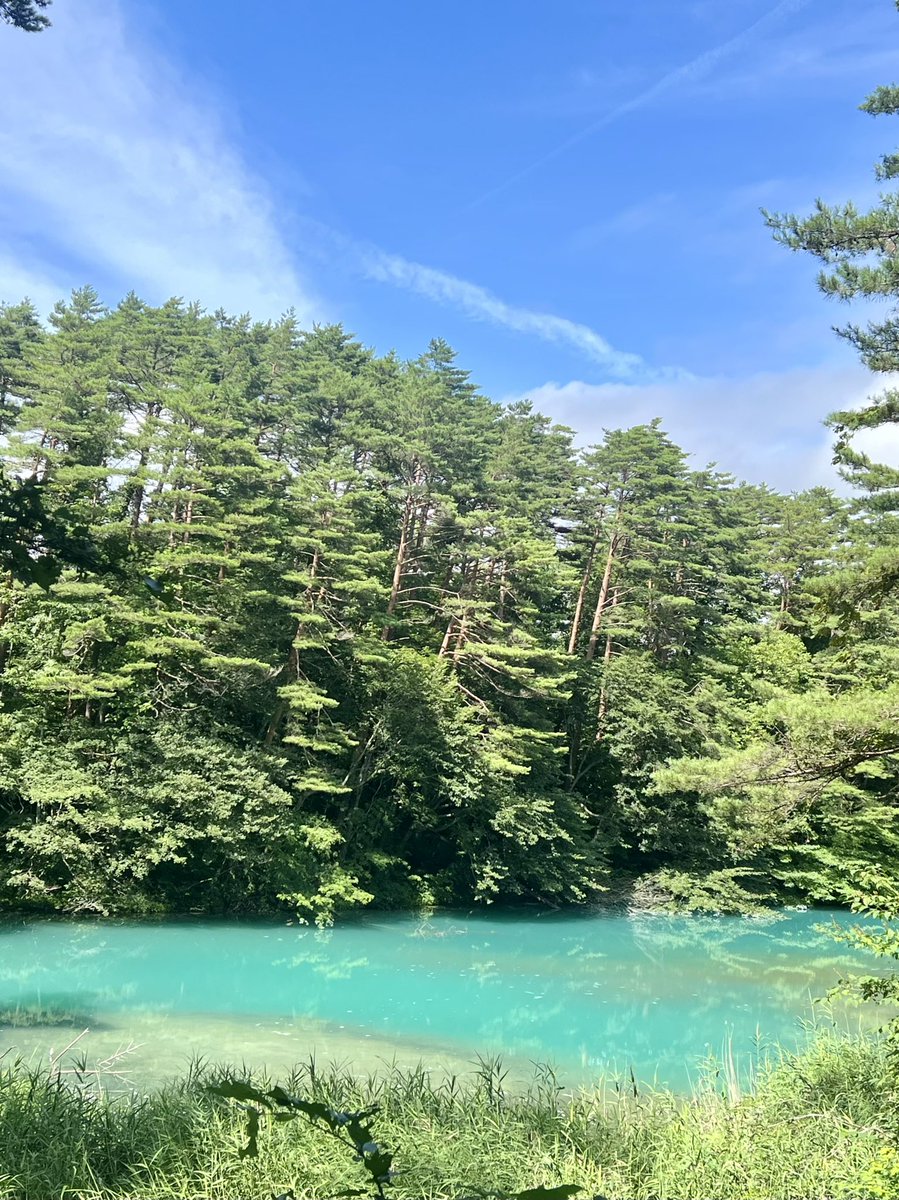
column 810, row 1128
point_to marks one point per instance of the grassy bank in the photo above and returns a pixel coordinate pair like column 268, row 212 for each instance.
column 811, row 1127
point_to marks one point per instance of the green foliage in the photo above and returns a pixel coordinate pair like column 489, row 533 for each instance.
column 812, row 1127
column 285, row 624
column 733, row 890
column 858, row 250
column 802, row 794
column 874, row 897
column 350, row 1129
column 25, row 14
column 878, row 899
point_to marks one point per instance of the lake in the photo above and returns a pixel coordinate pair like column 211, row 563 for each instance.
column 591, row 994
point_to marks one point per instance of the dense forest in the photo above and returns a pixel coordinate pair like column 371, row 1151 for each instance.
column 287, row 623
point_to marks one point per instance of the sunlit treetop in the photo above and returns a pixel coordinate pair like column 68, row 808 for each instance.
column 25, row 14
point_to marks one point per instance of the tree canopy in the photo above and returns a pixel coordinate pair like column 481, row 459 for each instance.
column 25, row 14
column 284, row 622
column 288, row 623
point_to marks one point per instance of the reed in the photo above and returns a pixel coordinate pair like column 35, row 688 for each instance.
column 810, row 1126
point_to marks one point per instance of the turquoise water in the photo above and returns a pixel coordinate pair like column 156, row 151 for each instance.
column 589, row 993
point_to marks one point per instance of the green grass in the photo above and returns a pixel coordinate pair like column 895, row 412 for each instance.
column 811, row 1128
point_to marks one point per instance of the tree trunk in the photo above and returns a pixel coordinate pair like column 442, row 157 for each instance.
column 447, row 638
column 422, row 523
column 602, row 598
column 581, row 596
column 457, row 629
column 461, row 636
column 603, row 693
column 400, row 564
column 189, row 515
column 274, row 724
column 503, row 592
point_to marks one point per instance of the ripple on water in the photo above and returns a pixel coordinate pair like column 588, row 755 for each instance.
column 587, row 993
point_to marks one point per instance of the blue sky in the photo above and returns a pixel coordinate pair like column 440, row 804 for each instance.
column 567, row 193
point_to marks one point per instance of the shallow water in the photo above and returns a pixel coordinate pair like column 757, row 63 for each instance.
column 592, row 994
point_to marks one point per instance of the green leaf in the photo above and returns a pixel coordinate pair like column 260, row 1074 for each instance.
column 311, row 1108
column 243, row 1092
column 378, row 1164
column 359, row 1133
column 251, row 1149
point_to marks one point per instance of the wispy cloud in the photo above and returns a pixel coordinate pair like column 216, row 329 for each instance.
column 113, row 165
column 122, row 171
column 697, row 68
column 815, row 59
column 482, row 305
column 766, row 427
column 634, row 219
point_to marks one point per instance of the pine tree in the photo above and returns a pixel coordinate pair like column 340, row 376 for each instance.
column 25, row 14
column 858, row 250
column 285, row 623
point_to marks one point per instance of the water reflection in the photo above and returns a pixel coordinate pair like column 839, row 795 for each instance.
column 587, row 993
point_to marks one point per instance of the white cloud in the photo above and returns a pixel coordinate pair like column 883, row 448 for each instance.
column 116, row 172
column 482, row 305
column 121, row 170
column 18, row 280
column 109, row 157
column 765, row 428
column 881, row 444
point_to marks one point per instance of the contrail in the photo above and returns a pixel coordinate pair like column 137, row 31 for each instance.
column 694, row 69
